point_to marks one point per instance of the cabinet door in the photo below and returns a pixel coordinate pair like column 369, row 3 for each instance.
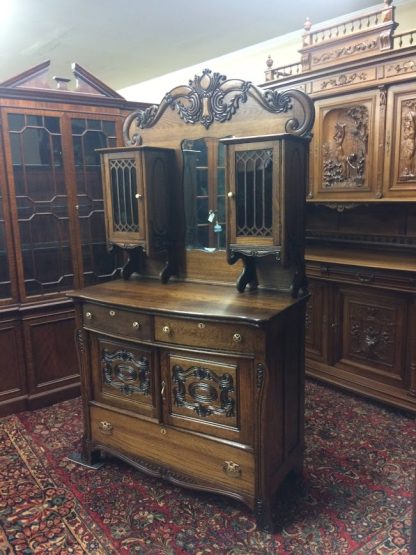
column 124, row 375
column 372, row 342
column 208, row 394
column 400, row 162
column 89, row 133
column 12, row 370
column 8, row 283
column 346, row 148
column 316, row 321
column 39, row 202
column 254, row 215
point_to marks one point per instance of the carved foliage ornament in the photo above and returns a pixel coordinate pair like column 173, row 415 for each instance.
column 211, row 97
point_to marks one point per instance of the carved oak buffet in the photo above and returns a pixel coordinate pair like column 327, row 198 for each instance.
column 361, row 211
column 192, row 379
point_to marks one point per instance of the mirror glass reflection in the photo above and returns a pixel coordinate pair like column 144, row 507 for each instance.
column 204, row 190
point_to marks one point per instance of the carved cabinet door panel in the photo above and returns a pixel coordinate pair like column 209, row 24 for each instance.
column 208, row 394
column 400, row 162
column 123, row 375
column 372, row 341
column 316, row 321
column 346, row 150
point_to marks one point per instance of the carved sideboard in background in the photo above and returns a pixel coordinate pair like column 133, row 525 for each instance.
column 361, row 204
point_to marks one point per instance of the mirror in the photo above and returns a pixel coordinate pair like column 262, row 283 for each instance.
column 204, row 192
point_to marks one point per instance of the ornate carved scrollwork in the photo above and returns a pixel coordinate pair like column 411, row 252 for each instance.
column 211, row 97
column 123, row 371
column 211, row 394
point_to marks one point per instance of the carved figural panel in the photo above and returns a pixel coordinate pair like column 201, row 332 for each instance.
column 345, row 148
column 204, row 390
column 400, row 177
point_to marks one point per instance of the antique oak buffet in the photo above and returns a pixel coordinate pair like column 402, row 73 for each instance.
column 361, row 209
column 185, row 375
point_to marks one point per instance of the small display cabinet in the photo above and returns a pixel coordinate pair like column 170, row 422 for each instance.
column 137, row 196
column 267, row 184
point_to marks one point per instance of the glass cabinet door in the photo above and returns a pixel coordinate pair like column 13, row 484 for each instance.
column 41, row 203
column 254, row 194
column 88, row 135
column 7, row 292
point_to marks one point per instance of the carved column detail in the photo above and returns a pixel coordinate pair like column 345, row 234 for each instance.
column 407, row 160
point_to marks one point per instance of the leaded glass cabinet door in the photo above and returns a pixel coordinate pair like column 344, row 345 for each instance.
column 89, row 134
column 254, row 194
column 39, row 193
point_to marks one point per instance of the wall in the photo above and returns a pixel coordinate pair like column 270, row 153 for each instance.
column 250, row 63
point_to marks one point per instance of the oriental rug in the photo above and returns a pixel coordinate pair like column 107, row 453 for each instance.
column 354, row 498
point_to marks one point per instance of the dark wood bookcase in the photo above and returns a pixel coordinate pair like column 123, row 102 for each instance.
column 52, row 233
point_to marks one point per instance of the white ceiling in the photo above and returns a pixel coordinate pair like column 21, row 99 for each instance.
column 123, row 42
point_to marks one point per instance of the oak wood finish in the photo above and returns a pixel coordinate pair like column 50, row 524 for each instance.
column 52, row 235
column 214, row 390
column 360, row 231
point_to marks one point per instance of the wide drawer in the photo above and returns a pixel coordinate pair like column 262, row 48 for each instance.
column 201, row 459
column 109, row 319
column 212, row 335
column 375, row 277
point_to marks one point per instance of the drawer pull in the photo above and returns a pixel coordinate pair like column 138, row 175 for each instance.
column 105, row 427
column 230, row 194
column 167, row 330
column 112, row 313
column 88, row 315
column 237, row 338
column 163, row 431
column 232, row 469
column 201, row 325
column 365, row 278
column 136, row 325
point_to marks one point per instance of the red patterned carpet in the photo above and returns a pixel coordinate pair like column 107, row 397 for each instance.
column 355, row 496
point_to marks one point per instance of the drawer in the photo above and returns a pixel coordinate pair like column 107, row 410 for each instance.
column 203, row 460
column 375, row 277
column 211, row 335
column 111, row 319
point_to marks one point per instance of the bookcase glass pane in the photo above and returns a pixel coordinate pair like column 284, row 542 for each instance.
column 88, row 135
column 41, row 202
column 5, row 284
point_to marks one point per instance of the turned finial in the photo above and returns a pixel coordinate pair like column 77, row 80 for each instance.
column 307, row 25
column 269, row 62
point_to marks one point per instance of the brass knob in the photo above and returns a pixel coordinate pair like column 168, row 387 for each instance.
column 136, row 325
column 201, row 325
column 105, row 427
column 112, row 313
column 167, row 330
column 88, row 315
column 230, row 194
column 138, row 196
column 237, row 338
column 163, row 431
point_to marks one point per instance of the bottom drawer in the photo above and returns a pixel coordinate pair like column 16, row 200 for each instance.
column 207, row 461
